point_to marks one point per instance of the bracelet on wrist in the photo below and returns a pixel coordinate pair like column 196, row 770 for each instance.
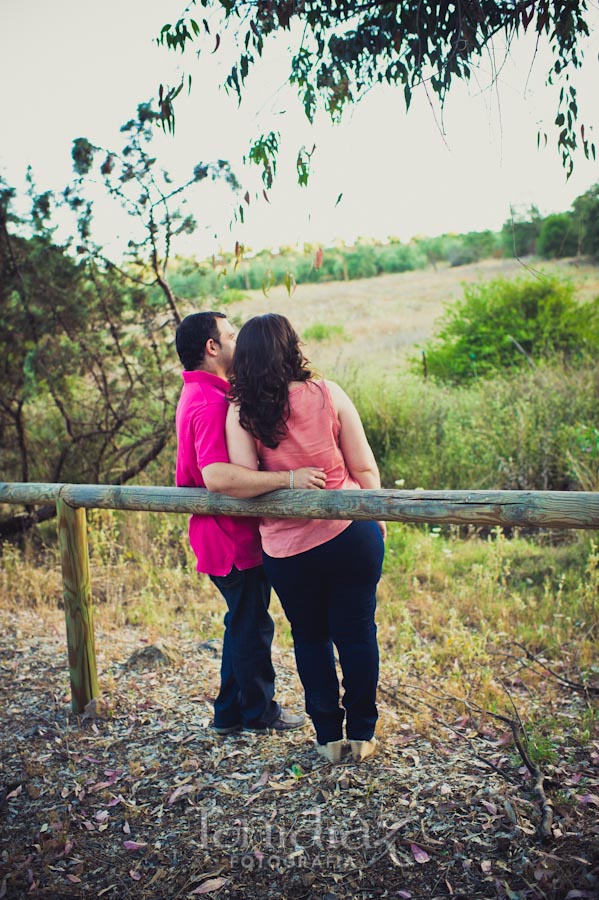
column 291, row 478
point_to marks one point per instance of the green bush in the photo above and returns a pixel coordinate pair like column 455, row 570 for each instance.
column 558, row 237
column 364, row 260
column 503, row 324
column 520, row 233
column 471, row 247
column 436, row 249
column 586, row 213
column 230, row 295
column 361, row 262
column 581, row 442
column 460, row 255
column 397, row 257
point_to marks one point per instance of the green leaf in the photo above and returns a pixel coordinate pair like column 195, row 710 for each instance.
column 290, row 283
column 267, row 282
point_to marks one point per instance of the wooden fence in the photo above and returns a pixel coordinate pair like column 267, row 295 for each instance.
column 542, row 509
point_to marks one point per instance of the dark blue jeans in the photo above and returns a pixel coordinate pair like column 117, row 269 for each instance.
column 329, row 597
column 247, row 676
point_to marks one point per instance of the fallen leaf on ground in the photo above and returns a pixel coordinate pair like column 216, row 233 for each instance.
column 588, row 798
column 180, row 792
column 134, row 845
column 395, row 825
column 261, row 781
column 213, row 884
column 510, row 812
column 420, row 855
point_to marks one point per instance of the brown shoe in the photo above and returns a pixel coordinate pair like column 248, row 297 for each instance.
column 285, row 721
column 226, row 729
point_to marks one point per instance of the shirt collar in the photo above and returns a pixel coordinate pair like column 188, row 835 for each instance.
column 199, row 376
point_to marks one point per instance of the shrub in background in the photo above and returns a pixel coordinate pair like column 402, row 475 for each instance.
column 586, row 213
column 191, row 280
column 321, row 332
column 582, row 452
column 472, row 247
column 515, row 431
column 520, row 233
column 262, row 271
column 361, row 262
column 504, row 324
column 398, row 257
column 558, row 236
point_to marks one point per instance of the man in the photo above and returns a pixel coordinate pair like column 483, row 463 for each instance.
column 228, row 548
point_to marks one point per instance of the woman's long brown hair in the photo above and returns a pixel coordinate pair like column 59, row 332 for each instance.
column 267, row 357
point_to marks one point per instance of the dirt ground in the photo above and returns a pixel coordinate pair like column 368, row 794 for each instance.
column 139, row 799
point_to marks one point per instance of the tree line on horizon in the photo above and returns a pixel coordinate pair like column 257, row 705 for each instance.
column 526, row 233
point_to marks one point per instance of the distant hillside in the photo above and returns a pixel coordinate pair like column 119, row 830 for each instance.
column 373, row 322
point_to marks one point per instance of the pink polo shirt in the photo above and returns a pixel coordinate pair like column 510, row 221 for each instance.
column 219, row 542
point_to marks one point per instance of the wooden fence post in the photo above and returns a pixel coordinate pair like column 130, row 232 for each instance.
column 72, row 536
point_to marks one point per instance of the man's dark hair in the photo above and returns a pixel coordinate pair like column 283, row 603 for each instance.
column 191, row 337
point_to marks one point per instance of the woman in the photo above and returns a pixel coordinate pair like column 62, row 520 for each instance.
column 325, row 572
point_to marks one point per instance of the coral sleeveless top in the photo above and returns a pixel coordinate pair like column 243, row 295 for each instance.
column 312, row 439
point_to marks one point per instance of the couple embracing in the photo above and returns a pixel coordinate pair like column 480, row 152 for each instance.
column 253, row 418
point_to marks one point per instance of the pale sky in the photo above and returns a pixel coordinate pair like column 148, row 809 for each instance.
column 74, row 68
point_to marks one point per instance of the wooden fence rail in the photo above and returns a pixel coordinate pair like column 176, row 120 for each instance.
column 544, row 509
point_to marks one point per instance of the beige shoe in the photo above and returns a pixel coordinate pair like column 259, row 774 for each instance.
column 361, row 750
column 331, row 751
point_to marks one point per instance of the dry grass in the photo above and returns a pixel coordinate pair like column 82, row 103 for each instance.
column 450, row 609
column 384, row 318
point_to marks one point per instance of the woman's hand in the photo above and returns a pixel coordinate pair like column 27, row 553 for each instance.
column 383, row 529
column 309, row 478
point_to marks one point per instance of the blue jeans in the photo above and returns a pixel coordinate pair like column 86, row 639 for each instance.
column 247, row 678
column 329, row 596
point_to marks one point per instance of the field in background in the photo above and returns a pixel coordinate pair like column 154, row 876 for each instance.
column 384, row 318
